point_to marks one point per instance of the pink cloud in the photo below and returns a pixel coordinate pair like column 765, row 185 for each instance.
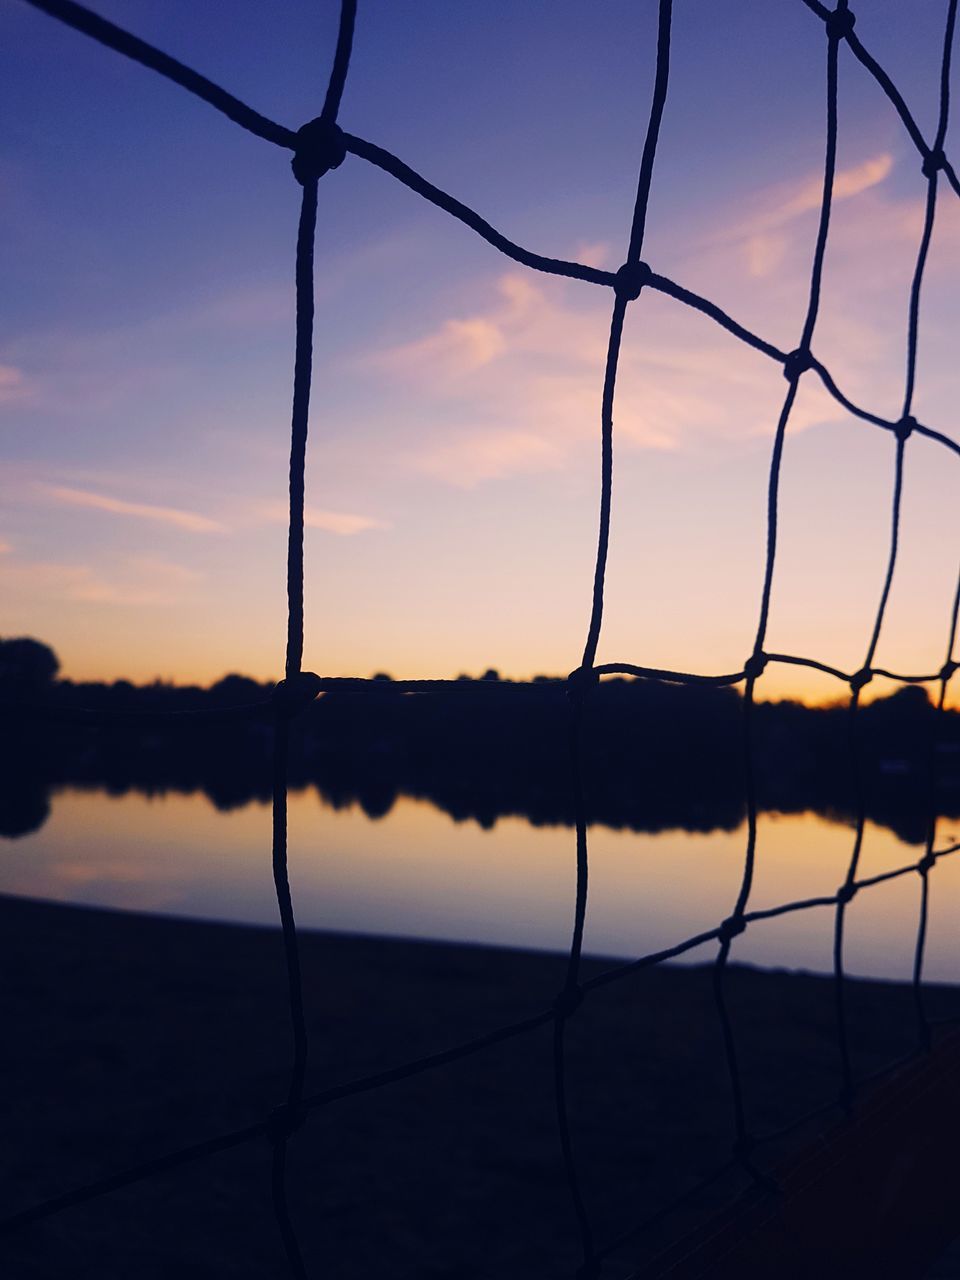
column 462, row 345
column 594, row 253
column 534, row 405
column 788, row 201
column 344, row 524
column 763, row 235
column 459, row 346
column 14, row 388
column 188, row 520
column 488, row 454
column 511, row 383
column 135, row 580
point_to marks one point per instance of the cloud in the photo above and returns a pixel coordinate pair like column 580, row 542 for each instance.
column 344, row 524
column 787, row 202
column 134, row 580
column 458, row 346
column 755, row 262
column 464, row 345
column 14, row 388
column 764, row 253
column 594, row 253
column 529, row 402
column 763, row 235
column 489, row 454
column 188, row 520
column 509, row 384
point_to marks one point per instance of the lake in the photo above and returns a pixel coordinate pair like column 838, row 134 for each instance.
column 416, row 872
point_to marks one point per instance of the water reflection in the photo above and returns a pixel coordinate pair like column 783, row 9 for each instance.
column 417, row 872
column 655, row 757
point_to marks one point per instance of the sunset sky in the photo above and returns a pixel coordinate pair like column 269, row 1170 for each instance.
column 146, row 343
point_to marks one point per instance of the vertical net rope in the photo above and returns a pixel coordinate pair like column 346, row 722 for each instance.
column 321, row 146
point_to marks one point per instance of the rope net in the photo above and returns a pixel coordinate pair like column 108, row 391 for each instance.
column 318, row 148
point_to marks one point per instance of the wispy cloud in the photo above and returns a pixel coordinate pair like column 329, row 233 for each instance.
column 189, row 520
column 134, row 580
column 763, row 234
column 783, row 204
column 524, row 400
column 786, row 201
column 459, row 346
column 510, row 385
column 463, row 344
column 488, row 454
column 14, row 388
column 594, row 253
column 756, row 263
column 344, row 524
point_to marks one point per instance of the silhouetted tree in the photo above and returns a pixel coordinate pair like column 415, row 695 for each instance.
column 27, row 667
column 234, row 690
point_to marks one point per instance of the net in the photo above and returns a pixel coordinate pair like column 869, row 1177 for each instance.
column 320, row 147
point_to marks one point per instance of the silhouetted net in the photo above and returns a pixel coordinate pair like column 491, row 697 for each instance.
column 318, row 148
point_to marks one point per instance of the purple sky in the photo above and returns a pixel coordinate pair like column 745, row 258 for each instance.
column 147, row 333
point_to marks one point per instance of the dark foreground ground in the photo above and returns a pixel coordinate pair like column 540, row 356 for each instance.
column 126, row 1036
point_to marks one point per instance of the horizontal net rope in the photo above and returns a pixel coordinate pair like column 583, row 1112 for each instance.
column 320, row 146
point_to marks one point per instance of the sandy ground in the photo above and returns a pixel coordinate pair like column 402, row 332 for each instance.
column 126, row 1036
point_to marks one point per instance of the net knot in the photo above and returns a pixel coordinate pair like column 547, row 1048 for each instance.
column 846, row 893
column 933, row 162
column 949, row 669
column 284, row 1121
column 860, row 678
column 846, row 1098
column 840, row 23
column 904, row 428
column 569, row 1000
column 629, row 280
column 730, row 928
column 797, row 363
column 926, row 864
column 744, row 1145
column 755, row 665
column 292, row 695
column 581, row 679
column 320, row 148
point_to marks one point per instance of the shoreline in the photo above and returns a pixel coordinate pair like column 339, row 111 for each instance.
column 130, row 1035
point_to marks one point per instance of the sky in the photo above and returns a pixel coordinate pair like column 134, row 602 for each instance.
column 146, row 343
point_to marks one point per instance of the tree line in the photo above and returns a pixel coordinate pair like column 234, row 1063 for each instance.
column 654, row 756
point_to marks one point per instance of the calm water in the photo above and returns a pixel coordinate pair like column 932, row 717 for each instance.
column 417, row 873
